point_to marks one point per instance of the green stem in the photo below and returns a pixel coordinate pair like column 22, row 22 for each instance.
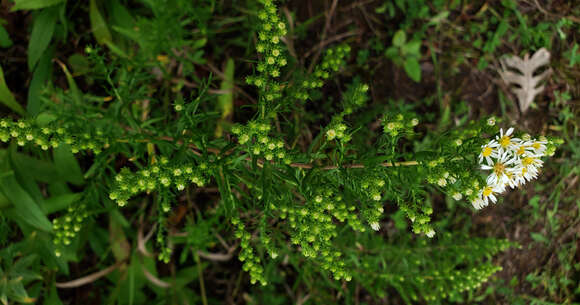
column 201, row 283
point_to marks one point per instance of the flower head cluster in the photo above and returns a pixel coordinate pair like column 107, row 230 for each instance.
column 512, row 162
column 49, row 136
column 355, row 97
column 314, row 228
column 270, row 32
column 163, row 175
column 332, row 62
column 252, row 262
column 67, row 226
column 395, row 124
column 336, row 132
column 257, row 142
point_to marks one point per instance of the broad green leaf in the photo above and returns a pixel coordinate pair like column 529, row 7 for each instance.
column 24, row 207
column 412, row 48
column 41, row 75
column 18, row 293
column 98, row 24
column 119, row 244
column 79, row 64
column 120, row 15
column 45, row 118
column 226, row 99
column 34, row 4
column 413, row 68
column 400, row 38
column 5, row 41
column 67, row 166
column 392, row 52
column 39, row 170
column 42, row 31
column 4, row 202
column 57, row 203
column 25, row 177
column 7, row 98
column 52, row 298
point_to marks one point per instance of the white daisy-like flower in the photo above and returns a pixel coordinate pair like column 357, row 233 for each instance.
column 375, row 226
column 505, row 140
column 538, row 147
column 488, row 151
column 457, row 196
column 430, row 233
column 478, row 203
column 523, row 175
column 442, row 182
column 512, row 181
column 500, row 168
column 488, row 194
column 532, row 163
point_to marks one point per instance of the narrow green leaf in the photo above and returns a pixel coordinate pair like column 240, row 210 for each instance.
column 67, row 166
column 226, row 99
column 98, row 24
column 7, row 98
column 413, row 68
column 115, row 49
column 42, row 31
column 34, row 4
column 77, row 96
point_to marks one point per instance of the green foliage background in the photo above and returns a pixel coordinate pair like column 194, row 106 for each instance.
column 211, row 152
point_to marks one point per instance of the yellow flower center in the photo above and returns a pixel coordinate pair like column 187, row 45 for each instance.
column 498, row 168
column 487, row 191
column 487, row 151
column 505, row 141
column 524, row 170
column 528, row 161
column 536, row 145
column 521, row 150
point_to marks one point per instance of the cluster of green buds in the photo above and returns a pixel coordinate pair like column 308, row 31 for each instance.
column 30, row 132
column 270, row 32
column 334, row 59
column 419, row 214
column 158, row 176
column 67, row 226
column 457, row 281
column 336, row 131
column 166, row 251
column 355, row 97
column 450, row 170
column 254, row 136
column 395, row 124
column 373, row 187
column 313, row 228
column 267, row 243
column 252, row 262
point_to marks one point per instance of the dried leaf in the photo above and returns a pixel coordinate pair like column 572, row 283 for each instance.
column 529, row 85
